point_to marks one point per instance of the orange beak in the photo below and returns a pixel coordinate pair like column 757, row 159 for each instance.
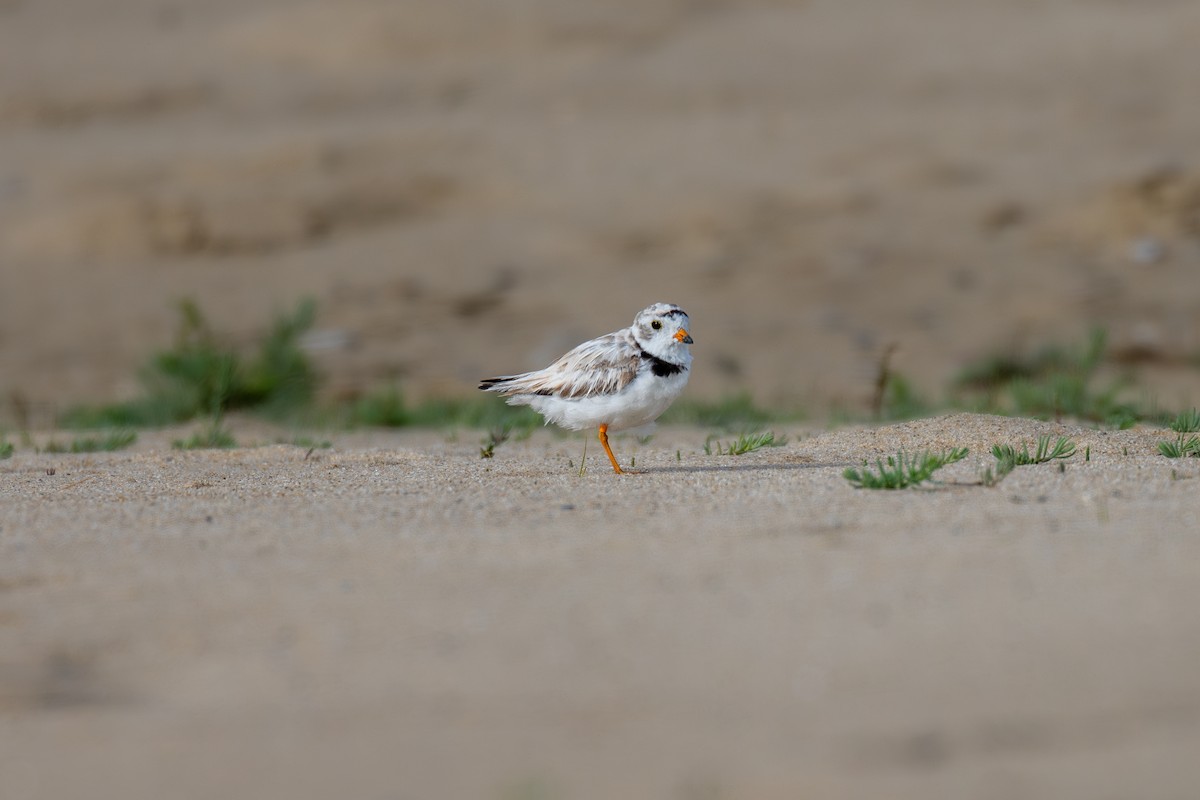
column 682, row 335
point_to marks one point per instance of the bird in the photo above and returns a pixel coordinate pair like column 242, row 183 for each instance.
column 621, row 380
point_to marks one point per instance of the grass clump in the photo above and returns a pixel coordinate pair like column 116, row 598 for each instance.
column 1184, row 446
column 1187, row 443
column 733, row 412
column 1053, row 383
column 1186, row 422
column 991, row 476
column 1043, row 451
column 745, row 443
column 475, row 412
column 382, row 408
column 6, row 448
column 899, row 401
column 495, row 438
column 1009, row 458
column 902, row 471
column 212, row 437
column 388, row 408
column 114, row 440
column 201, row 375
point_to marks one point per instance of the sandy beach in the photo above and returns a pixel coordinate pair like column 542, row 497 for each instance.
column 405, row 619
column 469, row 188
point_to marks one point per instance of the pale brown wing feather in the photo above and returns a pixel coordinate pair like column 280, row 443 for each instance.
column 600, row 367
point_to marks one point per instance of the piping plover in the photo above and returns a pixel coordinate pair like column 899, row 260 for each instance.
column 621, row 380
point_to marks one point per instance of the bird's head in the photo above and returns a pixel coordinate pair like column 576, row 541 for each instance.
column 664, row 330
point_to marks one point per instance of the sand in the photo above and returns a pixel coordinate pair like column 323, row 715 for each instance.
column 468, row 188
column 401, row 618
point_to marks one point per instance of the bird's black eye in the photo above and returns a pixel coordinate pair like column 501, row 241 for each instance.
column 656, row 325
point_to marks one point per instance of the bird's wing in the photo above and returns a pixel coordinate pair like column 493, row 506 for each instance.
column 600, row 367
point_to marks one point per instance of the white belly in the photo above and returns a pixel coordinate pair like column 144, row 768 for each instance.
column 641, row 402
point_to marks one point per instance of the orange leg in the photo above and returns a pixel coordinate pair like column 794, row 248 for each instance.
column 604, row 441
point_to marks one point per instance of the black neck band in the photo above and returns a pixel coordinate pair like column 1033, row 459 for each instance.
column 659, row 367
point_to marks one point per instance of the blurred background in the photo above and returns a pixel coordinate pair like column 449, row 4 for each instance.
column 469, row 187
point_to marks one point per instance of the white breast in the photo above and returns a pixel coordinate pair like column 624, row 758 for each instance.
column 641, row 402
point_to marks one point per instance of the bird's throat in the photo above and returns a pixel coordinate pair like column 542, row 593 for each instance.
column 660, row 367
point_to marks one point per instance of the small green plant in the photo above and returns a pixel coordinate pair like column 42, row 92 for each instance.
column 993, row 475
column 213, row 437
column 6, row 448
column 1050, row 384
column 731, row 413
column 1043, row 451
column 495, row 438
column 201, row 374
column 901, row 401
column 1184, row 446
column 387, row 408
column 1009, row 458
column 745, row 443
column 1186, row 422
column 480, row 412
column 115, row 440
column 902, row 471
column 382, row 408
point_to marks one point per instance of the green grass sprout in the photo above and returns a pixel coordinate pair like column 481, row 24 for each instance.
column 114, row 440
column 1053, row 383
column 733, row 412
column 201, row 374
column 212, row 437
column 1043, row 451
column 1184, row 446
column 745, row 443
column 902, row 471
column 495, row 438
column 382, row 408
column 1009, row 458
column 991, row 476
column 1186, row 422
column 387, row 408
